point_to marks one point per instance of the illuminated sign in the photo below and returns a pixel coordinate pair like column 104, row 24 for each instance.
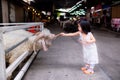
column 28, row 1
column 78, row 4
column 74, row 7
column 80, row 12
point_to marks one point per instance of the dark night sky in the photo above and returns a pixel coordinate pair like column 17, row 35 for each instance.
column 48, row 4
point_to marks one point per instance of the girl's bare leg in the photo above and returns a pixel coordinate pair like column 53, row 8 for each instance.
column 85, row 67
column 90, row 70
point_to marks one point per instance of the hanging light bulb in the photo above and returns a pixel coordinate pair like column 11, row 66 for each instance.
column 33, row 9
column 28, row 8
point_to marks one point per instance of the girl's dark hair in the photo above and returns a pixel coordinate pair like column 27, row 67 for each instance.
column 85, row 26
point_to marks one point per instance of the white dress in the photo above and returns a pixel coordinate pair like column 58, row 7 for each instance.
column 89, row 50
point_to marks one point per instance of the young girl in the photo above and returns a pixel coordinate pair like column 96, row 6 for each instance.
column 89, row 47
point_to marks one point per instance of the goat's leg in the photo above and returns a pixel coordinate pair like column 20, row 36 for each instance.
column 44, row 45
column 34, row 48
column 36, row 40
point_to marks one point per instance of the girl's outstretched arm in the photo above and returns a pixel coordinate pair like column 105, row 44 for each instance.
column 70, row 34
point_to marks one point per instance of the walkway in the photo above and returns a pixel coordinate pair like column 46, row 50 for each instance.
column 64, row 58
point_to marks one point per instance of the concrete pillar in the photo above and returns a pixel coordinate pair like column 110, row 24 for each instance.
column 0, row 12
column 4, row 4
column 19, row 14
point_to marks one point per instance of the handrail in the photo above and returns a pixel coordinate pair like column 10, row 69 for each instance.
column 11, row 28
column 20, row 23
column 15, row 64
column 25, row 67
column 14, row 46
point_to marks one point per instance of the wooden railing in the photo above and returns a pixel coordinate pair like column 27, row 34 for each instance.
column 6, row 27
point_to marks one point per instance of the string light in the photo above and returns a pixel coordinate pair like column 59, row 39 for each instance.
column 33, row 9
column 28, row 8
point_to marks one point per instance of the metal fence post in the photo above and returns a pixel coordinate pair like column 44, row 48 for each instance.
column 2, row 58
column 41, row 26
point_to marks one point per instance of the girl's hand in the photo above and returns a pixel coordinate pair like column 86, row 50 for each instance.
column 62, row 34
column 88, row 42
column 83, row 42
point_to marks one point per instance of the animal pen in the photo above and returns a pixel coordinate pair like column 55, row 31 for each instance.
column 5, row 72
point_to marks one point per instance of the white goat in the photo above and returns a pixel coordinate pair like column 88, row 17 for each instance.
column 42, row 40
